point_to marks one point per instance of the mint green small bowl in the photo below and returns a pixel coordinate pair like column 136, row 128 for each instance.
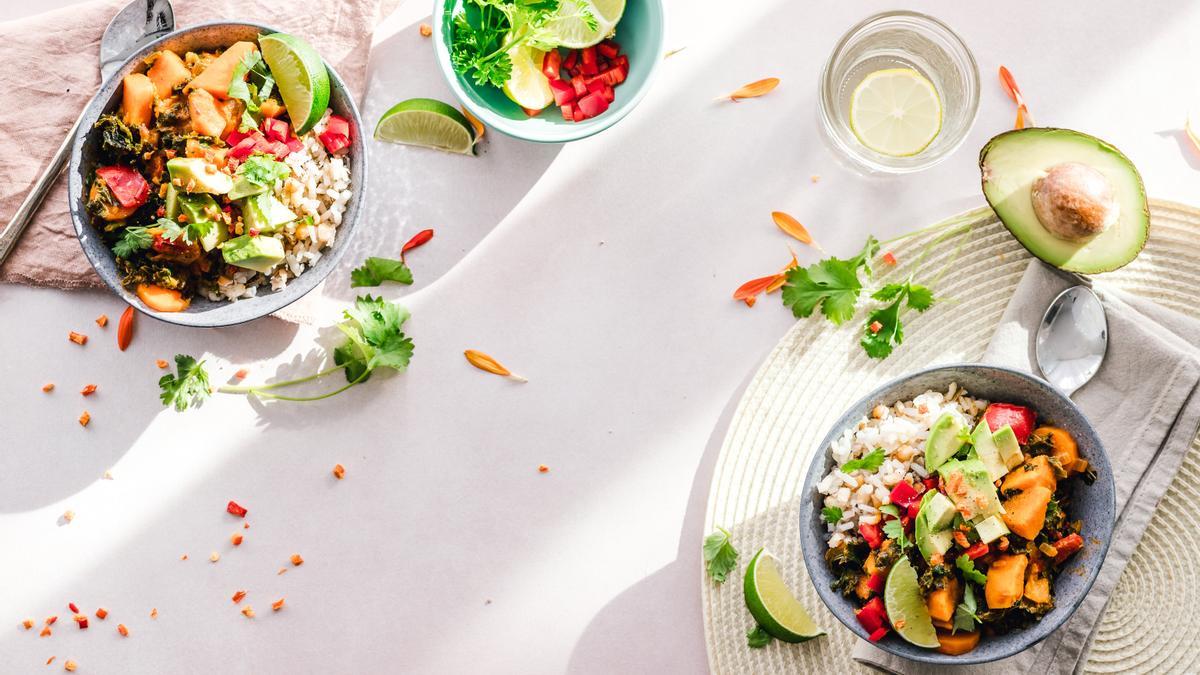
column 640, row 34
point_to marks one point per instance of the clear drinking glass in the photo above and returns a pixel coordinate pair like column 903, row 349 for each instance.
column 900, row 39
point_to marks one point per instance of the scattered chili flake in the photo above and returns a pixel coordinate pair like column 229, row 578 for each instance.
column 248, row 612
column 68, row 516
column 419, row 239
column 27, row 623
column 45, row 632
column 215, row 556
column 241, row 373
column 101, row 613
column 82, row 621
column 153, row 612
column 88, row 389
column 85, row 418
column 875, row 327
column 69, row 666
column 277, row 605
column 750, row 301
column 889, row 258
column 542, row 468
column 122, row 630
column 339, row 471
column 183, row 557
column 426, row 30
column 72, row 607
column 161, row 363
column 125, row 328
column 236, row 539
column 102, row 320
column 235, row 509
column 50, row 620
column 237, row 597
column 245, row 526
column 282, row 570
column 50, row 660
column 48, row 387
column 77, row 338
column 297, row 560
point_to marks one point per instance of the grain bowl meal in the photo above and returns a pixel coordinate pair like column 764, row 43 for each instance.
column 948, row 518
column 222, row 174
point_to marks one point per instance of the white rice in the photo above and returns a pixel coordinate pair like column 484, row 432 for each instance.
column 319, row 187
column 900, row 430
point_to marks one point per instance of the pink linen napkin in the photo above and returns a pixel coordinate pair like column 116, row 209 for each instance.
column 44, row 101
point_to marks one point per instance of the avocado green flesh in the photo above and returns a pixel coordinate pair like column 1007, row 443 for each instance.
column 1014, row 160
column 929, row 531
column 970, row 488
column 943, row 441
column 259, row 253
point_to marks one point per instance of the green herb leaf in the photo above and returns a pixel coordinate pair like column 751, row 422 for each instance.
column 920, row 297
column 964, row 616
column 833, row 284
column 882, row 331
column 891, row 510
column 967, row 566
column 187, row 387
column 757, row 638
column 894, row 529
column 375, row 271
column 133, row 239
column 374, row 338
column 869, row 462
column 831, row 514
column 264, row 170
column 720, row 557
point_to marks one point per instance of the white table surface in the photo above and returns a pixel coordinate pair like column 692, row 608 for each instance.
column 444, row 550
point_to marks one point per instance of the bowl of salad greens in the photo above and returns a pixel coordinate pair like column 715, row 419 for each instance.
column 549, row 71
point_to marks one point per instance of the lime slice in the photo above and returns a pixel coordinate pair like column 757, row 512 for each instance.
column 427, row 123
column 570, row 27
column 300, row 75
column 772, row 604
column 895, row 112
column 527, row 85
column 906, row 607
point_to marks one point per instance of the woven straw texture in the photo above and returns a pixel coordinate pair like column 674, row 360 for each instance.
column 818, row 370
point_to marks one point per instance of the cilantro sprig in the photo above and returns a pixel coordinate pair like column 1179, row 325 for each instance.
column 869, row 462
column 252, row 83
column 883, row 331
column 965, row 617
column 894, row 529
column 967, row 567
column 720, row 557
column 485, row 31
column 187, row 386
column 757, row 638
column 133, row 239
column 831, row 514
column 375, row 271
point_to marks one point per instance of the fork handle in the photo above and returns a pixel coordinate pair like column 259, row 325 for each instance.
column 24, row 213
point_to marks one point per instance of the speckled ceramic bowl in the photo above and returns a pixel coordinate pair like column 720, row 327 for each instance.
column 202, row 312
column 1094, row 504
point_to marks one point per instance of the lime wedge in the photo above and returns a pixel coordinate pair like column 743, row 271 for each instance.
column 300, row 75
column 527, row 85
column 427, row 123
column 906, row 607
column 895, row 112
column 772, row 604
column 570, row 27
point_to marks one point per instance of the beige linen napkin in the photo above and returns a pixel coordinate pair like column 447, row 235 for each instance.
column 1145, row 406
column 52, row 70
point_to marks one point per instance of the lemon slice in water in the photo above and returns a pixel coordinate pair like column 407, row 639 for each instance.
column 895, row 112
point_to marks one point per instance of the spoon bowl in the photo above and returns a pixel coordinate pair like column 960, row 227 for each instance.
column 1072, row 339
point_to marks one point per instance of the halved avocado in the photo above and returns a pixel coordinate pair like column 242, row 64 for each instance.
column 1097, row 194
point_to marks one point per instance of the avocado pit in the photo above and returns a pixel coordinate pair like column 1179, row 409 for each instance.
column 1074, row 202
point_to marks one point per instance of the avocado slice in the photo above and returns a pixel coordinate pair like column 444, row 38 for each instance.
column 944, row 440
column 243, row 187
column 171, row 203
column 265, row 213
column 259, row 253
column 193, row 174
column 202, row 208
column 987, row 452
column 990, row 529
column 1071, row 199
column 929, row 529
column 969, row 486
column 1010, row 450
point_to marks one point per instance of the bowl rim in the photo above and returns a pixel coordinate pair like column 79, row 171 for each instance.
column 515, row 128
column 96, row 107
column 837, row 604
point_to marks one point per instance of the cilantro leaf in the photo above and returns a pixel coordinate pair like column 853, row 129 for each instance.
column 831, row 514
column 833, row 284
column 890, row 509
column 374, row 338
column 251, row 83
column 894, row 529
column 967, row 566
column 883, row 330
column 263, row 170
column 920, row 297
column 888, row 292
column 133, row 239
column 869, row 462
column 187, row 387
column 375, row 271
column 965, row 617
column 720, row 557
column 757, row 638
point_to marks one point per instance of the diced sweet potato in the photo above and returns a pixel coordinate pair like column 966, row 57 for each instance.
column 137, row 99
column 1005, row 581
column 231, row 110
column 161, row 299
column 216, row 77
column 1025, row 513
column 863, row 589
column 942, row 601
column 1034, row 471
column 167, row 71
column 957, row 643
column 271, row 108
column 1065, row 450
column 1037, row 586
column 207, row 120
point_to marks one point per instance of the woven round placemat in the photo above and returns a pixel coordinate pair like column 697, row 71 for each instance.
column 818, row 370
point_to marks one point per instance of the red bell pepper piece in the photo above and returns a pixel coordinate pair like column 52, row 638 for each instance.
column 872, row 533
column 1067, row 546
column 978, row 549
column 276, row 130
column 334, row 143
column 613, row 76
column 580, row 86
column 876, row 581
column 294, row 144
column 608, row 49
column 551, row 63
column 568, row 112
column 595, row 85
column 340, row 126
column 931, row 483
column 564, row 93
column 126, row 184
column 244, row 148
column 877, row 634
column 903, row 495
column 236, row 509
column 608, row 94
column 577, row 114
column 234, row 137
column 1018, row 417
column 623, row 63
column 569, row 62
column 873, row 616
column 592, row 105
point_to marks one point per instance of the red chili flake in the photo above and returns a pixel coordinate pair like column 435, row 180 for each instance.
column 245, row 526
column 82, row 621
column 889, row 258
column 297, row 560
column 27, row 623
column 339, row 471
column 122, row 630
column 236, row 539
column 419, row 239
column 88, row 389
column 542, row 468
column 277, row 605
column 241, row 373
column 73, row 607
column 161, row 363
column 425, row 29
column 248, row 612
column 48, row 387
column 69, row 666
column 183, row 557
column 101, row 613
column 875, row 327
column 77, row 338
column 253, row 232
column 235, row 509
column 85, row 418
column 45, row 632
column 237, row 597
column 50, row 660
column 154, row 613
column 102, row 320
column 50, row 621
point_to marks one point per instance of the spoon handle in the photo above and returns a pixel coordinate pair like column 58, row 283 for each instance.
column 25, row 212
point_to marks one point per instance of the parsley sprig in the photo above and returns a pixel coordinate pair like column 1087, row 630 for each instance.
column 720, row 557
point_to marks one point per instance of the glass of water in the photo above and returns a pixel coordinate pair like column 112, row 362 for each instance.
column 900, row 40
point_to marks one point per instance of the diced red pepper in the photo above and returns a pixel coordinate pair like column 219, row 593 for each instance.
column 334, row 143
column 564, row 93
column 569, row 62
column 613, row 76
column 294, row 144
column 580, row 86
column 339, row 126
column 931, row 483
column 72, row 607
column 551, row 63
column 236, row 509
column 889, row 258
column 126, row 184
column 595, row 85
column 875, row 582
column 1020, row 418
column 608, row 49
column 873, row 616
column 623, row 63
column 568, row 112
column 608, row 94
column 872, row 533
column 913, row 509
column 592, row 105
column 904, row 494
column 1067, row 546
column 587, row 55
column 977, row 549
column 276, row 130
column 877, row 634
column 234, row 137
column 244, row 148
column 577, row 114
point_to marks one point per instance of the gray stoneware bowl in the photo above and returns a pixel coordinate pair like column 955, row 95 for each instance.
column 1095, row 504
column 203, row 312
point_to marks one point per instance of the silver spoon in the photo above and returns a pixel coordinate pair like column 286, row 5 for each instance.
column 137, row 24
column 1072, row 339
